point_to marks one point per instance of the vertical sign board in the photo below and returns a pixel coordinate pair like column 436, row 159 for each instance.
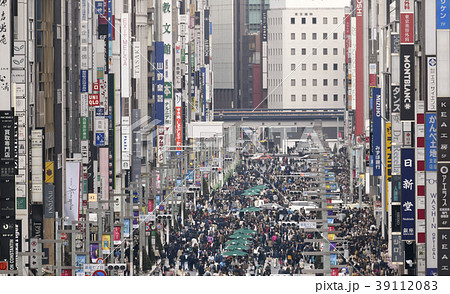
column 5, row 50
column 431, row 83
column 443, row 252
column 166, row 35
column 376, row 145
column 407, row 22
column 160, row 150
column 431, row 222
column 177, row 78
column 159, row 74
column 431, row 151
column 407, row 82
column 124, row 57
column 126, row 143
column 84, row 81
column 137, row 60
column 442, row 15
column 359, row 66
column 206, row 35
column 178, row 123
column 443, row 186
column 72, row 200
column 397, row 249
column 408, row 194
column 396, row 219
column 443, row 128
column 37, row 166
column 388, row 161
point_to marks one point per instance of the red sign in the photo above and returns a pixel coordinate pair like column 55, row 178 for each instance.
column 3, row 265
column 66, row 272
column 334, row 272
column 63, row 236
column 95, row 87
column 347, row 36
column 407, row 28
column 116, row 235
column 178, row 137
column 150, row 205
column 94, row 100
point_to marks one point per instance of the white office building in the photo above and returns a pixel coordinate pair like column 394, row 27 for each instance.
column 306, row 54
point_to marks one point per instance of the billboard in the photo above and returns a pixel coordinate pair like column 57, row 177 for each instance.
column 443, row 183
column 407, row 82
column 72, row 199
column 408, row 194
column 376, row 145
column 431, row 221
column 431, row 151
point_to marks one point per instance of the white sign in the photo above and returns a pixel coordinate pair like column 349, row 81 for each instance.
column 5, row 51
column 124, row 58
column 37, row 193
column 431, row 219
column 205, row 169
column 72, row 197
column 431, row 85
column 136, row 60
column 180, row 189
column 307, row 225
column 92, row 267
column 160, row 142
column 126, row 143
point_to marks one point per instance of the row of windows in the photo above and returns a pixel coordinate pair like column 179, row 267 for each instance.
column 279, row 67
column 314, row 36
column 314, row 51
column 314, row 20
column 314, row 82
column 314, row 97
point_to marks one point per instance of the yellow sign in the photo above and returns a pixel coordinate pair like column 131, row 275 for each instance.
column 388, row 161
column 106, row 244
column 49, row 172
column 92, row 197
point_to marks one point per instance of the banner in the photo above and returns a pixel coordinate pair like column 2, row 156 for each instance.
column 94, row 252
column 376, row 145
column 443, row 128
column 407, row 82
column 443, row 186
column 408, row 194
column 431, row 222
column 397, row 249
column 431, row 151
column 72, row 203
column 106, row 244
column 117, row 236
column 126, row 228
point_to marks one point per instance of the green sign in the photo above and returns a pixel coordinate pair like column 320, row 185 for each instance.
column 21, row 203
column 84, row 128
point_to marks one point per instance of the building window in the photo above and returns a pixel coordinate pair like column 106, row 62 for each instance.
column 325, row 82
column 314, row 51
column 314, row 83
column 292, row 51
column 303, row 51
column 314, row 36
column 335, row 82
column 335, row 51
column 292, row 66
column 303, row 36
column 325, row 97
column 292, row 98
column 325, row 51
column 324, row 36
column 304, row 82
column 293, row 82
column 314, row 97
column 303, row 97
column 314, row 20
column 335, row 20
column 292, row 20
column 314, row 66
column 335, row 97
column 303, row 20
column 325, row 66
column 292, row 36
column 303, row 66
column 325, row 20
column 335, row 66
column 335, row 36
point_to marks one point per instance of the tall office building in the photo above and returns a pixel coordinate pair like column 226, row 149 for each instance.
column 306, row 55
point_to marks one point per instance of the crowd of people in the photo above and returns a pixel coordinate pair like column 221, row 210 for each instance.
column 278, row 246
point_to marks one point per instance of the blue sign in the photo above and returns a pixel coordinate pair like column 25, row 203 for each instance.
column 432, row 272
column 84, row 81
column 135, row 198
column 431, row 142
column 408, row 194
column 161, row 207
column 158, row 199
column 110, row 20
column 376, row 145
column 99, row 111
column 203, row 73
column 99, row 139
column 442, row 15
column 190, row 176
column 159, row 81
column 126, row 228
column 99, row 7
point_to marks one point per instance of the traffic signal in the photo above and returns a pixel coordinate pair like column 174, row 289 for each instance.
column 194, row 189
column 162, row 217
column 228, row 159
column 117, row 266
column 295, row 192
